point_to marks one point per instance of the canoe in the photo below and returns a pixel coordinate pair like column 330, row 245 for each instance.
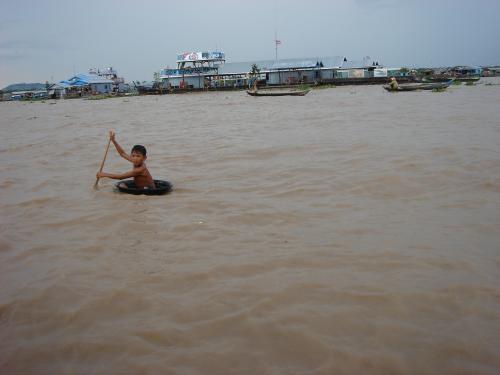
column 467, row 79
column 271, row 92
column 434, row 79
column 420, row 86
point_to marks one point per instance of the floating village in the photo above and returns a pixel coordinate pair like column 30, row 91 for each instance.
column 208, row 71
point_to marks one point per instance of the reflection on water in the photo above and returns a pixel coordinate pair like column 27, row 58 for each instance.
column 348, row 231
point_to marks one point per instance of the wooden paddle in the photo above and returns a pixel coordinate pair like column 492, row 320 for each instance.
column 102, row 164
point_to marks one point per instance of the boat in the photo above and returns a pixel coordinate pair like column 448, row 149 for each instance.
column 468, row 79
column 278, row 92
column 437, row 78
column 420, row 86
column 195, row 70
column 146, row 88
column 467, row 73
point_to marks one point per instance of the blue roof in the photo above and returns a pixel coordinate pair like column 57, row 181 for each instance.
column 84, row 79
column 64, row 84
column 90, row 78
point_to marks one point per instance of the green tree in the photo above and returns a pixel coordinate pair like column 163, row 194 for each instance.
column 254, row 70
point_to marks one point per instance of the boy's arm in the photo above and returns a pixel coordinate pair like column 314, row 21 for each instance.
column 119, row 149
column 119, row 176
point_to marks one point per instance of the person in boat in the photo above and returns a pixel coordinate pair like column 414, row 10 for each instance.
column 140, row 172
column 252, row 83
column 393, row 83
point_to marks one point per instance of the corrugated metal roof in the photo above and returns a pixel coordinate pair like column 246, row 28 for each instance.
column 85, row 79
column 308, row 63
column 63, row 84
column 90, row 78
column 294, row 65
column 351, row 64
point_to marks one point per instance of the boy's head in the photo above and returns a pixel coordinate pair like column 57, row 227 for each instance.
column 138, row 155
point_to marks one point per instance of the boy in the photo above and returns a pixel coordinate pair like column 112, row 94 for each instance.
column 140, row 173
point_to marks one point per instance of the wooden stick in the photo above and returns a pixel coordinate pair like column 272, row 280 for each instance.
column 102, row 164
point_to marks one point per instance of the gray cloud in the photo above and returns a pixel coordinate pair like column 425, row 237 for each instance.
column 54, row 38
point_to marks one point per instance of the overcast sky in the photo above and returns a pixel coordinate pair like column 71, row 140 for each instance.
column 50, row 40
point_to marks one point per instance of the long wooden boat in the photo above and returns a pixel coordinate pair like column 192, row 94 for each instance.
column 435, row 79
column 420, row 86
column 468, row 78
column 277, row 92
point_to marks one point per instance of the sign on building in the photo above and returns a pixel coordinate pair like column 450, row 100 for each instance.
column 380, row 72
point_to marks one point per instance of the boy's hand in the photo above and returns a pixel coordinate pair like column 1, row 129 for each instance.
column 112, row 135
column 100, row 175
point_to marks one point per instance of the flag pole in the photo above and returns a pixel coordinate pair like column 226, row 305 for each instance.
column 276, row 44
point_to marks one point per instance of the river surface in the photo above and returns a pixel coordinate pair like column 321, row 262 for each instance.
column 350, row 231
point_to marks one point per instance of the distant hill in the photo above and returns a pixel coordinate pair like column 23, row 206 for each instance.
column 24, row 87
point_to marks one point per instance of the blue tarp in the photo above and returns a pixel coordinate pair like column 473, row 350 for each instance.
column 84, row 79
column 90, row 78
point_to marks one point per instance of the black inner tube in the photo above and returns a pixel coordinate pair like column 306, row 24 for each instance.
column 128, row 186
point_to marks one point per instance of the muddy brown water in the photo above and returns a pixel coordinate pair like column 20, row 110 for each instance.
column 350, row 231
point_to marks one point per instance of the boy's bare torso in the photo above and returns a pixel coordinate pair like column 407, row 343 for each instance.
column 144, row 179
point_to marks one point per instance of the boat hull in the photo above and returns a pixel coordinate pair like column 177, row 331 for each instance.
column 420, row 86
column 277, row 93
column 467, row 79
